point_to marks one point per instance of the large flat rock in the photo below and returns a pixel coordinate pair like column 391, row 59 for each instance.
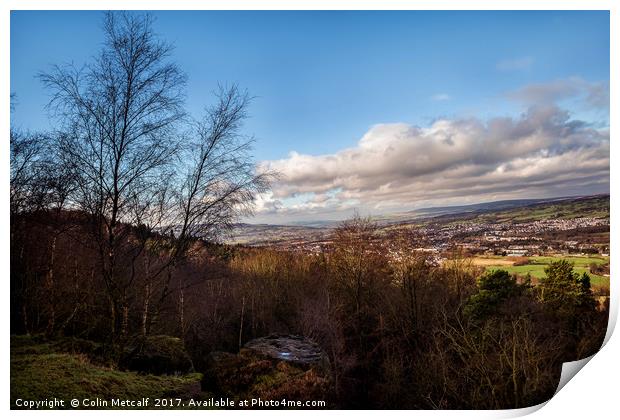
column 291, row 348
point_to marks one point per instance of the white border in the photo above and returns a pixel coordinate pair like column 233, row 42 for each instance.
column 592, row 395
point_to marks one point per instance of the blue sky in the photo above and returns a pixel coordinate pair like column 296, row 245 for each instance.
column 325, row 80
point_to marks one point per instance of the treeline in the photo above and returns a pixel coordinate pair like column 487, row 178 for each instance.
column 399, row 332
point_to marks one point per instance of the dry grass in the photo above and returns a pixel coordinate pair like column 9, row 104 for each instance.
column 485, row 262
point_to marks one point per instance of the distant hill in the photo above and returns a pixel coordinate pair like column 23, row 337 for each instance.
column 596, row 206
column 515, row 211
column 489, row 206
column 246, row 233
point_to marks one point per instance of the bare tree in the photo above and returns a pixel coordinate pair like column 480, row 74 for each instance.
column 358, row 267
column 26, row 164
column 221, row 182
column 218, row 184
column 120, row 115
column 26, row 154
column 142, row 177
column 27, row 159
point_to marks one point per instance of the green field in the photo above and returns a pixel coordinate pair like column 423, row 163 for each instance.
column 577, row 261
column 537, row 266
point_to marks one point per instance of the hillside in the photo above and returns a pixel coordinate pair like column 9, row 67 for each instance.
column 507, row 211
column 566, row 208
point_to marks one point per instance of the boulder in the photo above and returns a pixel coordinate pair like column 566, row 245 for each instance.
column 270, row 368
column 293, row 349
column 158, row 355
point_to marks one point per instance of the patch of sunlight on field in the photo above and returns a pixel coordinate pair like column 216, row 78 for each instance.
column 537, row 266
column 577, row 260
column 490, row 261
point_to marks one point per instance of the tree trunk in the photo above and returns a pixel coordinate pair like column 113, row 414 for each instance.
column 145, row 309
column 125, row 319
column 181, row 310
column 51, row 321
column 241, row 323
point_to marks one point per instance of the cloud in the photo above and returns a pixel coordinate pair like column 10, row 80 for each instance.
column 266, row 204
column 591, row 94
column 516, row 64
column 398, row 166
column 441, row 97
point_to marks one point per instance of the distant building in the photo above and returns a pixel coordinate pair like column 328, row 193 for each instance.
column 516, row 252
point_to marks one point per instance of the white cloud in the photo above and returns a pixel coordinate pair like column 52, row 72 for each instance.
column 400, row 167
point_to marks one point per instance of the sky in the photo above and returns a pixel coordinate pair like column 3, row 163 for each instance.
column 378, row 112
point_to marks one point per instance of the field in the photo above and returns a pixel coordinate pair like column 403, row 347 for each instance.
column 493, row 261
column 536, row 266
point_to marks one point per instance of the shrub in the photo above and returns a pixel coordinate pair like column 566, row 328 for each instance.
column 158, row 355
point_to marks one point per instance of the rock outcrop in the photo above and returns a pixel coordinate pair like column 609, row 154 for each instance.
column 270, row 368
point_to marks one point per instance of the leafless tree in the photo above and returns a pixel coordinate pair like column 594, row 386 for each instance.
column 26, row 162
column 221, row 182
column 358, row 268
column 124, row 137
column 217, row 184
column 27, row 155
column 120, row 115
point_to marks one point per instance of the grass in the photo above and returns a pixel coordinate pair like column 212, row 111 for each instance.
column 39, row 372
column 578, row 261
column 537, row 266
